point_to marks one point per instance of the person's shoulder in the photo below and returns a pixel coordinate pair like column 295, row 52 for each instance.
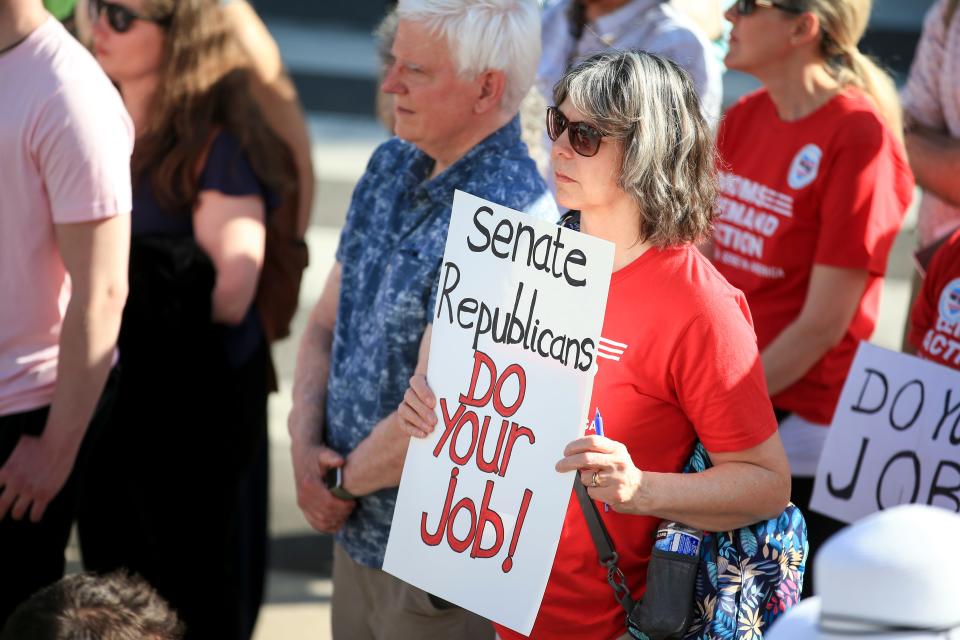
column 748, row 104
column 227, row 147
column 225, row 141
column 856, row 122
column 746, row 115
column 511, row 179
column 695, row 284
column 75, row 67
column 946, row 261
column 390, row 155
column 69, row 86
column 853, row 104
column 61, row 70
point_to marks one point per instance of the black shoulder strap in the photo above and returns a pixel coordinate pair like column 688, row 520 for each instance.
column 601, row 540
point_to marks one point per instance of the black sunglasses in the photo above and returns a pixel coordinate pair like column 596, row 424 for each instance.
column 746, row 7
column 584, row 138
column 119, row 17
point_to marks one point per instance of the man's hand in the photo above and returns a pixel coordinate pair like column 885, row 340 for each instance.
column 34, row 474
column 322, row 510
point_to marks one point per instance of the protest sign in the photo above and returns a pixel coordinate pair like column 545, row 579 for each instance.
column 516, row 325
column 895, row 438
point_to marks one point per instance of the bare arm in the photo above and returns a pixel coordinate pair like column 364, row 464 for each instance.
column 230, row 229
column 741, row 488
column 276, row 96
column 832, row 300
column 935, row 160
column 95, row 255
column 311, row 458
column 313, row 365
column 377, row 462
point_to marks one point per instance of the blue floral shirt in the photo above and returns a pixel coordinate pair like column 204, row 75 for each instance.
column 390, row 253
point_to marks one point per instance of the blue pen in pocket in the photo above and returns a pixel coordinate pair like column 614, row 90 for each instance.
column 598, row 429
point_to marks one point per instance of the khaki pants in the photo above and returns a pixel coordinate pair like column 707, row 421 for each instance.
column 370, row 604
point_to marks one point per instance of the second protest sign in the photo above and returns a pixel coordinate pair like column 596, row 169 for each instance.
column 895, row 438
column 519, row 309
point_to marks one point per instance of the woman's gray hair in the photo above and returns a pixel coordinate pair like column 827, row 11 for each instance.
column 649, row 103
column 484, row 35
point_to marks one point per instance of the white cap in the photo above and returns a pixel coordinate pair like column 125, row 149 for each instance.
column 895, row 574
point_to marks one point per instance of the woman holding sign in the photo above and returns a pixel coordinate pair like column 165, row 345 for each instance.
column 678, row 356
column 814, row 185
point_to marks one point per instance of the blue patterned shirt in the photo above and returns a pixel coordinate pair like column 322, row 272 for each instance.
column 390, row 252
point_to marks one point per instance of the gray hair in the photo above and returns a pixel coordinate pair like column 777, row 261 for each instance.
column 650, row 104
column 485, row 35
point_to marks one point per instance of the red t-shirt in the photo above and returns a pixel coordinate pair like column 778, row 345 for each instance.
column 678, row 360
column 935, row 319
column 830, row 189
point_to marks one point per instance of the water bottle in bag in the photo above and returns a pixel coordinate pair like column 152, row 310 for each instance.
column 667, row 606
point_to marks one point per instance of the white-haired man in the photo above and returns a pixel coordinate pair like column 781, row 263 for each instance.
column 459, row 71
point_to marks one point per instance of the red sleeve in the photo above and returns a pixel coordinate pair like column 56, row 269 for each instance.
column 924, row 312
column 719, row 378
column 866, row 183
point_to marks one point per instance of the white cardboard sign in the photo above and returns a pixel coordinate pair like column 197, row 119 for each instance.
column 516, row 325
column 895, row 438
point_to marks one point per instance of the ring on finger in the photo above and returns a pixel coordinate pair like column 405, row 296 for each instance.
column 593, row 481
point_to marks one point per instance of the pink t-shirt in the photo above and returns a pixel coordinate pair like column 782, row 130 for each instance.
column 66, row 141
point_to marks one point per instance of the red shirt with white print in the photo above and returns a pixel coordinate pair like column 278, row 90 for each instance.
column 829, row 189
column 677, row 361
column 935, row 318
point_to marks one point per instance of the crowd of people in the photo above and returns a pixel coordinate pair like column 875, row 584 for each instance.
column 155, row 192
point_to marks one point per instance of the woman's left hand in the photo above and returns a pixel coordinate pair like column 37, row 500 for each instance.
column 606, row 469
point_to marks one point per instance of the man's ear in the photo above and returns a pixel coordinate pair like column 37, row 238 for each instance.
column 491, row 87
column 806, row 28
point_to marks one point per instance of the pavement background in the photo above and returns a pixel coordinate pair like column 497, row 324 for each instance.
column 328, row 48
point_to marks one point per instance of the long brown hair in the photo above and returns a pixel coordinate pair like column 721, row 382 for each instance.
column 202, row 89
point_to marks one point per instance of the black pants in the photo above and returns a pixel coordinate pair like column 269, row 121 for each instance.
column 163, row 496
column 31, row 554
column 252, row 548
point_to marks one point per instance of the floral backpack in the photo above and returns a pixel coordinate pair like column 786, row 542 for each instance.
column 747, row 578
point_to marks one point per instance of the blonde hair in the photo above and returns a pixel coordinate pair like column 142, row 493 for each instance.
column 649, row 103
column 843, row 23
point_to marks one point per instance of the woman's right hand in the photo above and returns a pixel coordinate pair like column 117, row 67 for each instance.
column 416, row 413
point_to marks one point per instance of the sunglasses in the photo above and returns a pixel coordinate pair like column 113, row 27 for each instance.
column 584, row 138
column 119, row 17
column 746, row 7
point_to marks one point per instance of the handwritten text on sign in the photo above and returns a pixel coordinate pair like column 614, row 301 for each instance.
column 895, row 438
column 497, row 464
column 518, row 315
